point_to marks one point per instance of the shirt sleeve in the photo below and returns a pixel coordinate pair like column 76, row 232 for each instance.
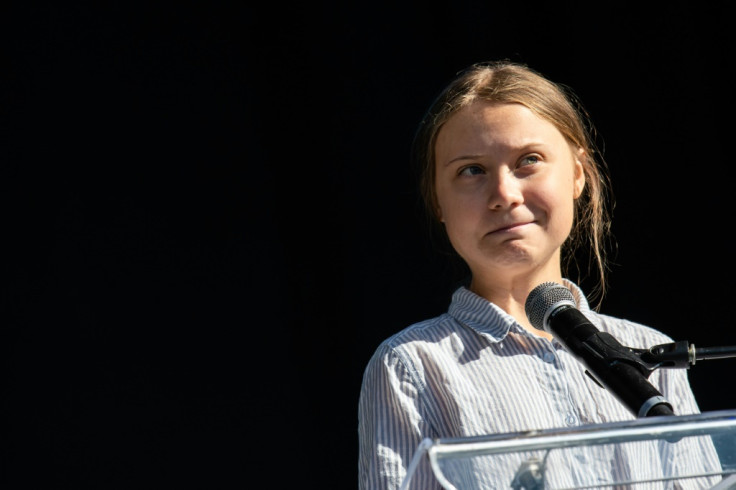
column 695, row 455
column 691, row 455
column 391, row 425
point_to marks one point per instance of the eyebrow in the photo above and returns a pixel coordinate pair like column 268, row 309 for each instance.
column 463, row 157
column 531, row 145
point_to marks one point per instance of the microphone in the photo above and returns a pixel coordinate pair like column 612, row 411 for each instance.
column 551, row 307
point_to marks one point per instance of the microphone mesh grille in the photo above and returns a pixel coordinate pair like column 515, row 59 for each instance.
column 541, row 298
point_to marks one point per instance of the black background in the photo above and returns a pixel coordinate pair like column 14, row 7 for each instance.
column 209, row 220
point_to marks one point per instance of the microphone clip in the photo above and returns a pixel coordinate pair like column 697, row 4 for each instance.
column 610, row 352
column 679, row 354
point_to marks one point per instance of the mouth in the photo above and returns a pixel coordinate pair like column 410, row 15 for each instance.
column 511, row 227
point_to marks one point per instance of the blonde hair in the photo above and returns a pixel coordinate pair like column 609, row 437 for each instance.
column 508, row 82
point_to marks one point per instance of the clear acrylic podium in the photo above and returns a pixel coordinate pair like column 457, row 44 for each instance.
column 527, row 460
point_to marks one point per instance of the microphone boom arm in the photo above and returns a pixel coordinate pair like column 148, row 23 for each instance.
column 681, row 354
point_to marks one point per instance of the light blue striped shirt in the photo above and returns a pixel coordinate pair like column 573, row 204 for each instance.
column 475, row 371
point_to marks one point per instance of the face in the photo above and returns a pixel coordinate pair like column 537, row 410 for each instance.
column 506, row 181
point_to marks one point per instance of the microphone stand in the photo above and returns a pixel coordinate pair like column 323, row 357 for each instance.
column 680, row 354
column 635, row 365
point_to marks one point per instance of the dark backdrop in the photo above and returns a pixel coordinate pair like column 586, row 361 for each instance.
column 209, row 221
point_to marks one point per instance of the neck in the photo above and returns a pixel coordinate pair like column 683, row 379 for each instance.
column 512, row 299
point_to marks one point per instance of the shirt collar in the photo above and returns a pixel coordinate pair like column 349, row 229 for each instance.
column 491, row 321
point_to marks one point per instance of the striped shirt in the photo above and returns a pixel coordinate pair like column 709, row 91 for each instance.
column 475, row 371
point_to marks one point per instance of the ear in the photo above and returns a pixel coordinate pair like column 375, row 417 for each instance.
column 579, row 173
column 438, row 213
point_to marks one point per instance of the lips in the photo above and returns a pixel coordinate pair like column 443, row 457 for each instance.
column 511, row 227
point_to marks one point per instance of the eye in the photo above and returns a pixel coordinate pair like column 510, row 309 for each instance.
column 529, row 160
column 471, row 170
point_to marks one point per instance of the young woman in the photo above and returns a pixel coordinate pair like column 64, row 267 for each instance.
column 511, row 176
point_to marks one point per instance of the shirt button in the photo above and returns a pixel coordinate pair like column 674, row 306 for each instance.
column 570, row 419
column 549, row 357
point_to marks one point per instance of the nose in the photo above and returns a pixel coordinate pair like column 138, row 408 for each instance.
column 505, row 190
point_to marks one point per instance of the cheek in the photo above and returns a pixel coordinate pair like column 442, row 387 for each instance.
column 461, row 218
column 559, row 188
column 564, row 212
column 460, row 232
column 557, row 203
column 446, row 203
column 456, row 208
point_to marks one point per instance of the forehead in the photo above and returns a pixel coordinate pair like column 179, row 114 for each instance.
column 482, row 124
column 499, row 115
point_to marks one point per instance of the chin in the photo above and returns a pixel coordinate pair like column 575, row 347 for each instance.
column 511, row 261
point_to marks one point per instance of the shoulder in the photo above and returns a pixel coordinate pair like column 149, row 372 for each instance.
column 417, row 336
column 630, row 332
column 428, row 330
column 423, row 342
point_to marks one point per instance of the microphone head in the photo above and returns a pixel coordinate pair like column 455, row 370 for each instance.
column 543, row 300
